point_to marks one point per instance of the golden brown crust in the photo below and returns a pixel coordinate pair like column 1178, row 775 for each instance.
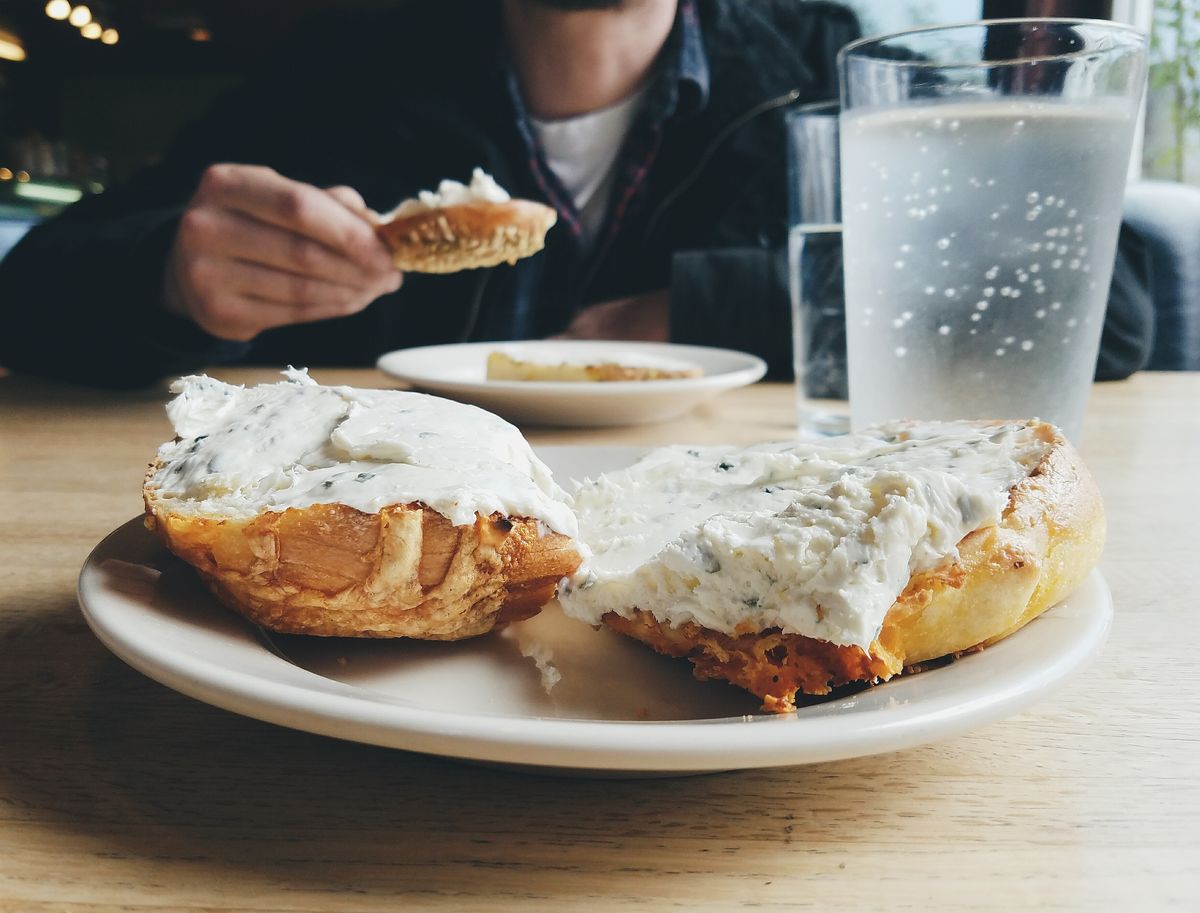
column 502, row 366
column 1049, row 538
column 467, row 236
column 331, row 570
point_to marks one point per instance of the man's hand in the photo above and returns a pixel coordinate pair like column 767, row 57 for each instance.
column 256, row 250
column 642, row 317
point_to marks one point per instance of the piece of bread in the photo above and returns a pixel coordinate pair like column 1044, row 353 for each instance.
column 406, row 571
column 503, row 366
column 467, row 235
column 228, row 496
column 1049, row 537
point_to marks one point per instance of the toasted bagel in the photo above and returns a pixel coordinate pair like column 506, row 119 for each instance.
column 467, row 235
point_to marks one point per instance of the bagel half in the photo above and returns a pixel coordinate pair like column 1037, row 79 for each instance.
column 252, row 493
column 999, row 577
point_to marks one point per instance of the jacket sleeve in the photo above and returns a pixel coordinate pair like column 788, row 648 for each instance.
column 1128, row 336
column 734, row 298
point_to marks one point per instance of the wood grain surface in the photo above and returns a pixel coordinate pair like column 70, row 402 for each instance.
column 117, row 794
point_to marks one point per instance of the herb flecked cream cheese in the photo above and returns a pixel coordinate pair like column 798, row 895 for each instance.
column 815, row 539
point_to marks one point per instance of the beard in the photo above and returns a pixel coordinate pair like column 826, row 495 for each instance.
column 579, row 5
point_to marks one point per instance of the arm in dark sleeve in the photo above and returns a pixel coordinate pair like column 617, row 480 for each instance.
column 735, row 298
column 1128, row 336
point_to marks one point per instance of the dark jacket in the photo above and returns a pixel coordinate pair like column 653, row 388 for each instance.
column 398, row 107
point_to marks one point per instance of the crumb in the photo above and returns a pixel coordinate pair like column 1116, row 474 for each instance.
column 342, row 661
column 543, row 658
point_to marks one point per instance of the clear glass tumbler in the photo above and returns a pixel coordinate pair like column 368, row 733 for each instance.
column 815, row 268
column 983, row 173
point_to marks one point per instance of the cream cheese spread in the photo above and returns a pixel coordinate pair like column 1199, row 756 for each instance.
column 244, row 450
column 482, row 189
column 815, row 539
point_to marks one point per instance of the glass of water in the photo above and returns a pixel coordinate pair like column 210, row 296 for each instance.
column 983, row 172
column 815, row 267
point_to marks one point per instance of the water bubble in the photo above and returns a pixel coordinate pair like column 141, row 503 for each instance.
column 953, row 125
column 974, row 182
column 976, row 318
column 1016, row 293
column 907, row 315
column 905, row 248
column 868, row 311
column 899, row 264
column 981, row 305
column 1051, row 233
column 951, row 293
column 932, row 191
column 929, row 290
column 1035, row 267
column 901, row 351
column 943, row 243
column 974, row 332
column 1026, row 345
column 1062, row 248
column 1032, row 214
column 1083, row 251
column 1000, row 351
column 945, row 172
column 1018, row 126
column 933, row 207
column 897, row 323
column 1049, row 199
column 945, row 263
column 1040, row 313
column 943, row 330
column 989, row 292
column 991, row 182
column 1066, row 340
column 1055, row 263
column 1072, row 322
column 1022, row 276
column 1055, row 305
column 947, row 188
column 1072, row 213
column 1031, row 197
column 1060, row 202
column 1074, row 264
column 1006, row 291
column 995, row 215
column 992, row 273
column 1009, row 340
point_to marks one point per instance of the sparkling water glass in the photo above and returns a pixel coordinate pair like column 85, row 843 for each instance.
column 983, row 172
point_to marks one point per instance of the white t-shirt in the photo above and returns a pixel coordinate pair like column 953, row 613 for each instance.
column 582, row 152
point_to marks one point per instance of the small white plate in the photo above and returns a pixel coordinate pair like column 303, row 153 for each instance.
column 459, row 372
column 617, row 709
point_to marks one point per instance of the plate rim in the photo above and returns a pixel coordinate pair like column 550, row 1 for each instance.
column 752, row 370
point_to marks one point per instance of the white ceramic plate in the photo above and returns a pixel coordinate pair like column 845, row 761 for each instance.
column 617, row 708
column 459, row 372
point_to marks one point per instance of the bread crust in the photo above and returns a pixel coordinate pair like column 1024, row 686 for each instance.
column 467, row 236
column 1049, row 538
column 502, row 366
column 334, row 571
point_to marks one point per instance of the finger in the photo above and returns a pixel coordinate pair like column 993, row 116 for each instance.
column 231, row 234
column 302, row 293
column 350, row 198
column 301, row 208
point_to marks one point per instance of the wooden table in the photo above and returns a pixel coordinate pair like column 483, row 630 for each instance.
column 118, row 794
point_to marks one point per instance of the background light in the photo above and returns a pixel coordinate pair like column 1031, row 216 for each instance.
column 47, row 193
column 200, row 33
column 80, row 16
column 110, row 36
column 91, row 31
column 6, row 174
column 58, row 9
column 11, row 47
